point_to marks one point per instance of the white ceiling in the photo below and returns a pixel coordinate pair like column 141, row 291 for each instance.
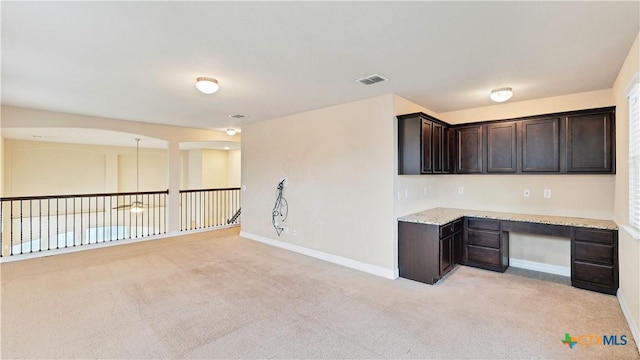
column 106, row 138
column 139, row 60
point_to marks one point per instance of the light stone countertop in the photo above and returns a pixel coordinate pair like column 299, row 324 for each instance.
column 441, row 216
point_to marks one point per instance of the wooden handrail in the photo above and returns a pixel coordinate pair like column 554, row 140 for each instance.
column 216, row 189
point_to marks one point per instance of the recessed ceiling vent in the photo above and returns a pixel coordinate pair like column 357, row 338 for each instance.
column 238, row 116
column 371, row 79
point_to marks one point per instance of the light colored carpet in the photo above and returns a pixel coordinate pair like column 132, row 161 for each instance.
column 216, row 295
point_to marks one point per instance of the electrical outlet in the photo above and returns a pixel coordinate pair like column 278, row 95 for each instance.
column 527, row 193
column 460, row 190
column 295, row 232
column 244, row 187
column 547, row 193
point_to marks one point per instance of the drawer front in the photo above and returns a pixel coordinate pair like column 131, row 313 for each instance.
column 597, row 236
column 484, row 238
column 483, row 224
column 450, row 228
column 446, row 230
column 594, row 273
column 593, row 252
column 484, row 255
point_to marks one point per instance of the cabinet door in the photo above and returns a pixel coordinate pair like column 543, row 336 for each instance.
column 446, row 255
column 448, row 151
column 590, row 143
column 457, row 247
column 427, row 129
column 540, row 145
column 409, row 145
column 469, row 149
column 501, row 147
column 418, row 247
column 437, row 146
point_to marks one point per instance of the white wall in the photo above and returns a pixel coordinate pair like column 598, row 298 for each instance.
column 215, row 168
column 152, row 171
column 235, row 169
column 340, row 164
column 194, row 177
column 209, row 169
column 629, row 249
column 46, row 168
column 2, row 192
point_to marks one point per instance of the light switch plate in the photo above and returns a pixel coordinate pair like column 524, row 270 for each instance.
column 460, row 190
column 527, row 193
column 547, row 193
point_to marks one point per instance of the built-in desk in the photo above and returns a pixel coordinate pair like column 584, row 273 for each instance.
column 432, row 242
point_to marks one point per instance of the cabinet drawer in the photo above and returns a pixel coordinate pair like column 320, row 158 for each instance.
column 484, row 238
column 484, row 255
column 593, row 252
column 450, row 228
column 483, row 224
column 594, row 273
column 598, row 236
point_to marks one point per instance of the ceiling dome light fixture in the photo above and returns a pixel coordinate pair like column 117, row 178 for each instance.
column 207, row 85
column 501, row 94
column 231, row 132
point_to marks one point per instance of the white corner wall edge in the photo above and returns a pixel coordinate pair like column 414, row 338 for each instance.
column 627, row 315
column 339, row 260
column 541, row 267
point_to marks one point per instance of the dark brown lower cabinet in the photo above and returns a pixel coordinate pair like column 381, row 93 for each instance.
column 427, row 252
column 485, row 244
column 457, row 247
column 594, row 260
column 446, row 255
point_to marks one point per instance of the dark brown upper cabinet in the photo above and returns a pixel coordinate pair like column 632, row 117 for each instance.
column 541, row 145
column 410, row 149
column 590, row 143
column 574, row 142
column 422, row 145
column 501, row 147
column 427, row 145
column 437, row 150
column 449, row 154
column 469, row 149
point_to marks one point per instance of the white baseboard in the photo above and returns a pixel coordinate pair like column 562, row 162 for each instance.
column 353, row 264
column 542, row 267
column 627, row 315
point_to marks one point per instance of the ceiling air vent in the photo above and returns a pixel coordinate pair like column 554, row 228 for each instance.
column 238, row 116
column 370, row 80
